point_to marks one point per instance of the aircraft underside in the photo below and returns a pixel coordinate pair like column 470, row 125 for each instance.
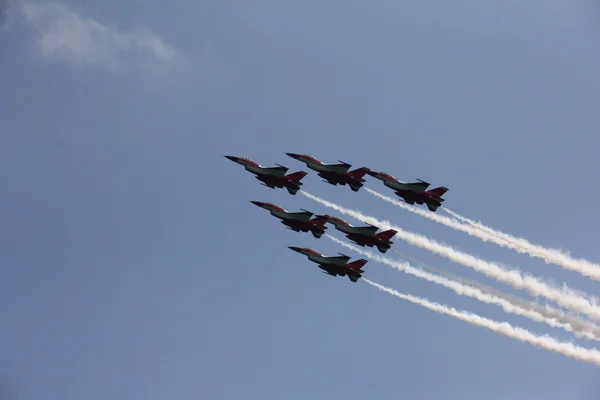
column 317, row 233
column 273, row 183
column 334, row 179
column 432, row 204
column 382, row 249
column 352, row 277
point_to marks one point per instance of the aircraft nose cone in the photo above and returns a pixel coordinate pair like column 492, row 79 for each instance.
column 257, row 203
column 232, row 158
column 293, row 155
column 296, row 249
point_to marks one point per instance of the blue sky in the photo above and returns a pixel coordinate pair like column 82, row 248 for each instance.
column 133, row 266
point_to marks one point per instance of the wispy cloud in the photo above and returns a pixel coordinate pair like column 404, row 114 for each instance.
column 63, row 34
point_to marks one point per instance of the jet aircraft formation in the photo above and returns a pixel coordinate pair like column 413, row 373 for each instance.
column 336, row 174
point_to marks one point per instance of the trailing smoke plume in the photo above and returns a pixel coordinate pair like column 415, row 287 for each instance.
column 564, row 296
column 465, row 290
column 486, row 234
column 504, row 328
column 582, row 328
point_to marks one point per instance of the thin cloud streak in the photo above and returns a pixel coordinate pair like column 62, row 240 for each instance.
column 63, row 34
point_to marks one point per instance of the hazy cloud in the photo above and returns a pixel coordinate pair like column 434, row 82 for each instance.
column 62, row 33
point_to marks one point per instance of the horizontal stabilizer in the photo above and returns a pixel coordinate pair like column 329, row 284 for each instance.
column 382, row 249
column 386, row 235
column 296, row 176
column 319, row 221
column 357, row 265
column 359, row 172
column 433, row 207
column 439, row 191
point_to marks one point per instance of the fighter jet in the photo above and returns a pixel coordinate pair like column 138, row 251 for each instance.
column 334, row 266
column 414, row 192
column 334, row 174
column 273, row 177
column 296, row 221
column 363, row 235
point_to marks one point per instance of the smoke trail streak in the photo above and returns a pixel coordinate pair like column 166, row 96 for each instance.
column 504, row 328
column 486, row 234
column 549, row 255
column 464, row 290
column 581, row 328
column 564, row 296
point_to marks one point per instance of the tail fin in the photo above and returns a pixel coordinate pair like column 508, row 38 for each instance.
column 356, row 265
column 359, row 172
column 296, row 176
column 319, row 220
column 439, row 191
column 386, row 235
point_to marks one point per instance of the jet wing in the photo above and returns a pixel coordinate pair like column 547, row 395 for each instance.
column 303, row 216
column 367, row 230
column 342, row 259
column 330, row 178
column 279, row 170
column 328, row 270
column 419, row 186
column 341, row 168
column 407, row 201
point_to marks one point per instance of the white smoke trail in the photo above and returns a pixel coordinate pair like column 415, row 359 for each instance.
column 486, row 234
column 581, row 328
column 471, row 222
column 564, row 296
column 504, row 328
column 464, row 290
